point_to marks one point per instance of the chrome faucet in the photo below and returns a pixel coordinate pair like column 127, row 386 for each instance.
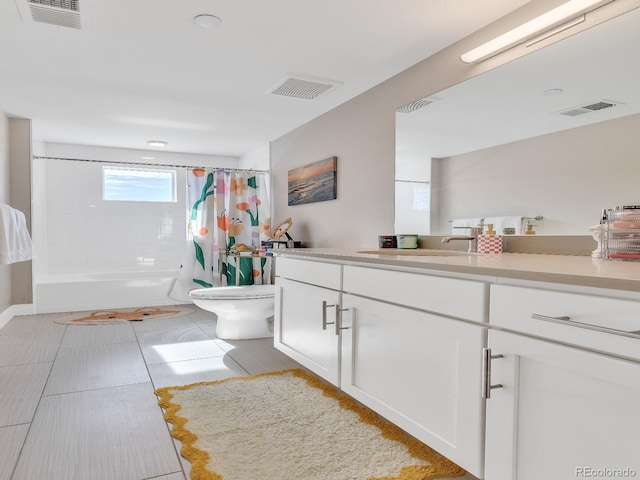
column 473, row 238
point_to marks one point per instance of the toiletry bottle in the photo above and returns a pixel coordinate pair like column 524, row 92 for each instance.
column 489, row 242
column 529, row 230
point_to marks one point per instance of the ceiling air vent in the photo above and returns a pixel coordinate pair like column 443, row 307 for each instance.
column 589, row 108
column 417, row 105
column 60, row 13
column 303, row 87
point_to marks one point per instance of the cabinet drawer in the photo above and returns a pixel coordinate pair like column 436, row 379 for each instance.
column 448, row 296
column 328, row 275
column 605, row 324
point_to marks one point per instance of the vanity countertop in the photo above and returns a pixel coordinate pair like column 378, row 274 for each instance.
column 561, row 269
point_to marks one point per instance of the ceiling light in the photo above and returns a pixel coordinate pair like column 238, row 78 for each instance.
column 207, row 21
column 148, row 158
column 552, row 91
column 563, row 13
column 157, row 143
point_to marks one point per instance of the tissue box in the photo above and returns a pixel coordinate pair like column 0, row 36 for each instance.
column 490, row 244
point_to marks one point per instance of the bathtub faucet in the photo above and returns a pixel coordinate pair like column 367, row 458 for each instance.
column 473, row 238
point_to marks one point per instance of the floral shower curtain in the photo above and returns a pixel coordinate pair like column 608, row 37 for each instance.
column 226, row 208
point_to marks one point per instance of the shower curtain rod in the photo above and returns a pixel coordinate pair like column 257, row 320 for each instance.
column 150, row 164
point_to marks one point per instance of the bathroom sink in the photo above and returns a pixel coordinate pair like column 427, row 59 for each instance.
column 420, row 252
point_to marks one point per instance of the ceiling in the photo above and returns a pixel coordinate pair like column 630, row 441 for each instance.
column 527, row 97
column 140, row 70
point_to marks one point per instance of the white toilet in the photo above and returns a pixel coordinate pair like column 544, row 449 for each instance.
column 243, row 312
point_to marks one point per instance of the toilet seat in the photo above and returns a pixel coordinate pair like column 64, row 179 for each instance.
column 243, row 292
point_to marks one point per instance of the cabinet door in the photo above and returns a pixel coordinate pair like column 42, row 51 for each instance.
column 301, row 313
column 421, row 371
column 561, row 413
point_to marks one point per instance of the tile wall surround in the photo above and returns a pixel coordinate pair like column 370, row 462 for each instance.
column 85, row 234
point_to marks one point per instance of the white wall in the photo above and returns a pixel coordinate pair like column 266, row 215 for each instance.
column 257, row 159
column 15, row 190
column 91, row 253
column 110, row 154
column 84, row 234
column 20, row 178
column 567, row 177
column 365, row 175
column 78, row 233
column 5, row 270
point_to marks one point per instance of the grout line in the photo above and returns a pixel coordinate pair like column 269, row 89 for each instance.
column 95, row 389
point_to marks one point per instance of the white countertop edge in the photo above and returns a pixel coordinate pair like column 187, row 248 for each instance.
column 564, row 270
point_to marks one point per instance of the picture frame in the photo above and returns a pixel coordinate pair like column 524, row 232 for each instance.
column 315, row 182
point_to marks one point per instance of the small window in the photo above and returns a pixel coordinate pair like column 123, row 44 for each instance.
column 138, row 185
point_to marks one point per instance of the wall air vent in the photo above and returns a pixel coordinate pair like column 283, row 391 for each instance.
column 308, row 88
column 60, row 13
column 417, row 105
column 589, row 108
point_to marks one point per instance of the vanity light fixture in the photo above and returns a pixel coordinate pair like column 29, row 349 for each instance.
column 157, row 143
column 553, row 18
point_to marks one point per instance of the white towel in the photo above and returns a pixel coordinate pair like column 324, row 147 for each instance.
column 15, row 242
column 464, row 222
column 519, row 223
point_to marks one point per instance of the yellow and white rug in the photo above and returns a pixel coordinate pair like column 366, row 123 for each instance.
column 122, row 315
column 291, row 425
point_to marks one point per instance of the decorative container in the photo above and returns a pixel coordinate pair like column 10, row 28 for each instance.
column 387, row 241
column 490, row 244
column 621, row 239
column 408, row 240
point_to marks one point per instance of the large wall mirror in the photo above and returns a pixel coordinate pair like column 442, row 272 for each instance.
column 554, row 134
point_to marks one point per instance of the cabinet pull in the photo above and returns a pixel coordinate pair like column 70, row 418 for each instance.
column 537, row 316
column 486, row 373
column 567, row 320
column 324, row 314
column 339, row 319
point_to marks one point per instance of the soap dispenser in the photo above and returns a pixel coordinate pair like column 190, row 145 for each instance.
column 489, row 242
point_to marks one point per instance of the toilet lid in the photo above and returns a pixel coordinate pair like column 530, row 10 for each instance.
column 229, row 293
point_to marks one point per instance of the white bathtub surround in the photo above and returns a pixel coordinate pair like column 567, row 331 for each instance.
column 93, row 253
column 79, row 292
column 15, row 241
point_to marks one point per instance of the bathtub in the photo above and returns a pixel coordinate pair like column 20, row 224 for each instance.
column 92, row 291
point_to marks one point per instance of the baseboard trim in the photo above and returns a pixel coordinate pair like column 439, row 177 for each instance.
column 13, row 310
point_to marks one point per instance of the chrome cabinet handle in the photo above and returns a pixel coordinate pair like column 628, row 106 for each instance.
column 486, row 373
column 324, row 314
column 339, row 319
column 537, row 316
column 564, row 319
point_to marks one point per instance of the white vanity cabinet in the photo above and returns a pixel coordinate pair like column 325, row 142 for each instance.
column 411, row 351
column 307, row 307
column 567, row 386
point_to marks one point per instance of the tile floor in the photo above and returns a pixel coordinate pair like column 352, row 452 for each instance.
column 77, row 402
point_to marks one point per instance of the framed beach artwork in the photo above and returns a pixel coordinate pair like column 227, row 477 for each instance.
column 311, row 183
